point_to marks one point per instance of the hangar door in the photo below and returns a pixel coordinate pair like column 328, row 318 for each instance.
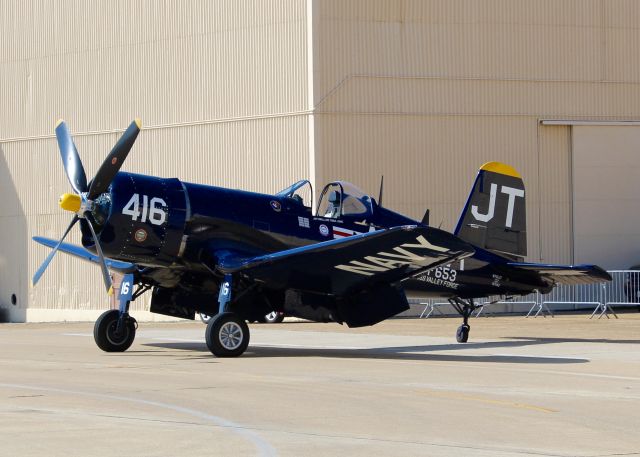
column 606, row 195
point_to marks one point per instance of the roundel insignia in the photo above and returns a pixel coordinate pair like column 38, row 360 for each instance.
column 140, row 235
column 324, row 230
column 275, row 205
column 114, row 161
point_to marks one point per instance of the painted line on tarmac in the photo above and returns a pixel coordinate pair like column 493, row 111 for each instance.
column 490, row 401
column 520, row 356
column 263, row 447
column 596, row 375
column 558, row 372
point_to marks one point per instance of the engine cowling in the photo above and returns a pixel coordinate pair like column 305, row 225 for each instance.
column 141, row 220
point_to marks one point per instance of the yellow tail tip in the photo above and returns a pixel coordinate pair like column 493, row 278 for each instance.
column 501, row 168
column 58, row 122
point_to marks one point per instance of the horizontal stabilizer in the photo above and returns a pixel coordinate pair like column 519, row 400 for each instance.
column 351, row 264
column 82, row 253
column 567, row 274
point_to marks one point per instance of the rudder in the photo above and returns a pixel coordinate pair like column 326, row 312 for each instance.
column 494, row 216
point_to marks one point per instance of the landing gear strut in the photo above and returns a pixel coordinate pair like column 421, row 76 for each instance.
column 227, row 334
column 464, row 308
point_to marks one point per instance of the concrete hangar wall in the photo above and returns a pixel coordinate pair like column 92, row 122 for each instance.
column 220, row 86
column 256, row 94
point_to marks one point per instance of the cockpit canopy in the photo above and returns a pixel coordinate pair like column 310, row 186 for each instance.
column 338, row 198
column 341, row 198
column 301, row 192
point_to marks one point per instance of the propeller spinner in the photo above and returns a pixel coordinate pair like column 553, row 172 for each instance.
column 82, row 202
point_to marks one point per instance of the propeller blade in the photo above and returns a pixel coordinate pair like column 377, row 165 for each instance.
column 45, row 264
column 114, row 160
column 70, row 158
column 103, row 264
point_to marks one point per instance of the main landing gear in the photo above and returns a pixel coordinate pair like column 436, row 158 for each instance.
column 464, row 308
column 227, row 334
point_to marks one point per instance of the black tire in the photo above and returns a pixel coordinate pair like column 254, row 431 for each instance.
column 273, row 317
column 104, row 332
column 462, row 334
column 227, row 335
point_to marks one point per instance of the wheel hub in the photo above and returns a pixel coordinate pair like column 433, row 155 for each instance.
column 230, row 336
column 115, row 337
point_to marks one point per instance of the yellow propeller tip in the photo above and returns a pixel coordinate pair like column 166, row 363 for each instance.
column 138, row 123
column 110, row 291
column 58, row 122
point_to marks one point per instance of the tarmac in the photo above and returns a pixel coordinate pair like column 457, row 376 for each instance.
column 563, row 386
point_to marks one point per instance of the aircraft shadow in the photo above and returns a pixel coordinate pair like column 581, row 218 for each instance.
column 416, row 353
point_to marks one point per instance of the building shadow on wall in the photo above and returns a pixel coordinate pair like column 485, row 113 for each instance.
column 13, row 247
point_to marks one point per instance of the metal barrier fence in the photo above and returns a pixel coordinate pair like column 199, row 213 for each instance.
column 623, row 290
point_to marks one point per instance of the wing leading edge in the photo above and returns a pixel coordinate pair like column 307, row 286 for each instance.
column 351, row 264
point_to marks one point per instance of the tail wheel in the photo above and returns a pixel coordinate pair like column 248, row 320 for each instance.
column 107, row 336
column 227, row 335
column 462, row 335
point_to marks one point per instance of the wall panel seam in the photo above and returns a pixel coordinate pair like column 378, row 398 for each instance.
column 349, row 77
column 167, row 126
column 458, row 114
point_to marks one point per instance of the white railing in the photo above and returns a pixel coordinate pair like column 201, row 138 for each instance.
column 623, row 290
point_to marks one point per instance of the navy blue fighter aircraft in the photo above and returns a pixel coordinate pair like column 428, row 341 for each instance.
column 239, row 255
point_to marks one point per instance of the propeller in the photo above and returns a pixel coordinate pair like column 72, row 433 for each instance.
column 45, row 264
column 70, row 158
column 82, row 202
column 114, row 160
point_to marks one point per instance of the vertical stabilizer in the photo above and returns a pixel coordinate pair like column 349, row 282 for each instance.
column 494, row 216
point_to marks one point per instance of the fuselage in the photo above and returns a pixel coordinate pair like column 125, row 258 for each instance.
column 169, row 224
column 173, row 219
